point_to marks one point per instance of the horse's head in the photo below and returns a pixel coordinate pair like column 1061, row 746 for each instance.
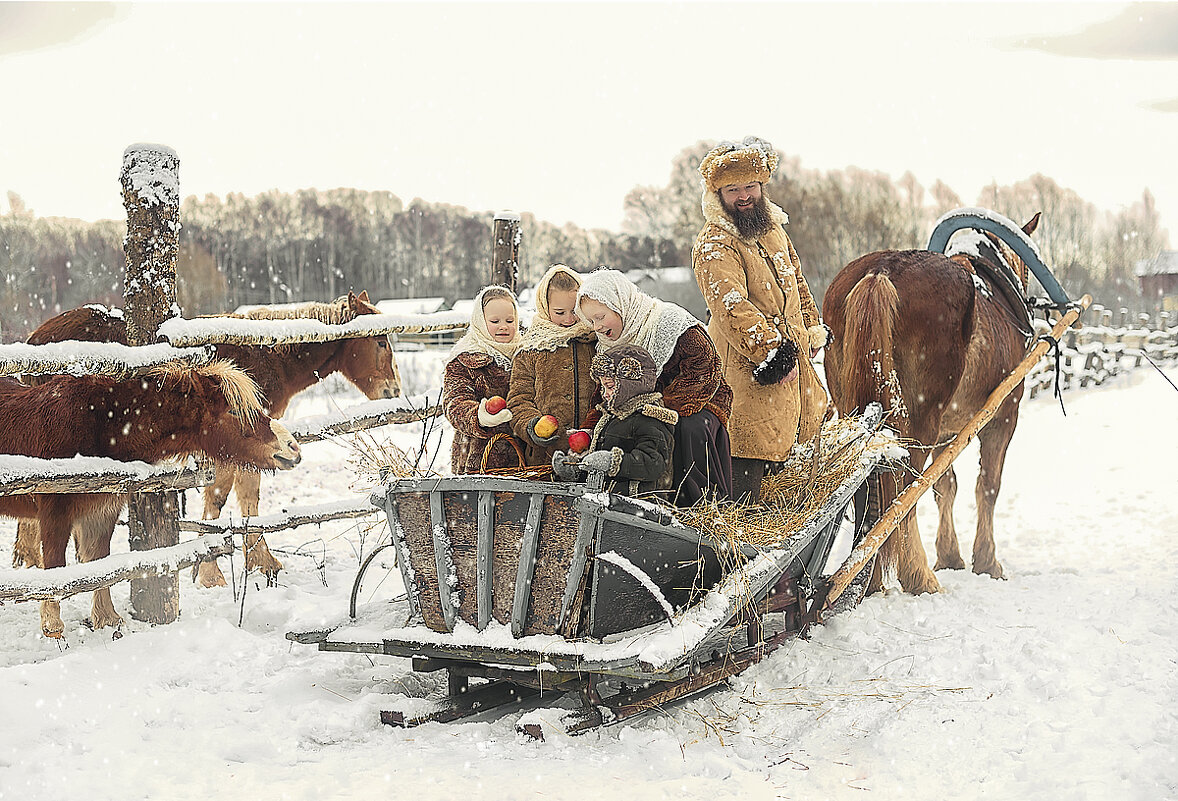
column 223, row 417
column 368, row 362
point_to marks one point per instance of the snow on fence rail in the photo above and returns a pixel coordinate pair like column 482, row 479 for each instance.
column 1093, row 354
column 230, row 330
column 62, row 582
column 93, row 358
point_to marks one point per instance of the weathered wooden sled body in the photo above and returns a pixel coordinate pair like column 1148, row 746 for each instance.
column 534, row 587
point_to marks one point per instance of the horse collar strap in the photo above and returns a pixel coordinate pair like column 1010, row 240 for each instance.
column 1008, row 232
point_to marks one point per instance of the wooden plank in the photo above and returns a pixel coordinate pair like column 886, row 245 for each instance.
column 476, row 700
column 402, row 549
column 527, row 564
column 442, row 558
column 62, row 582
column 414, row 516
column 344, row 510
column 362, row 421
column 462, row 536
column 586, row 529
column 485, row 547
column 555, row 554
column 511, row 515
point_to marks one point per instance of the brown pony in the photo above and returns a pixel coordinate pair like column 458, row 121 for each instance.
column 171, row 411
column 929, row 337
column 281, row 371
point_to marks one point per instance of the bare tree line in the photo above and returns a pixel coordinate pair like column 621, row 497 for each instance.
column 315, row 245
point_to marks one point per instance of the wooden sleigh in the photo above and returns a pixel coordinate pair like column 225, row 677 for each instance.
column 521, row 588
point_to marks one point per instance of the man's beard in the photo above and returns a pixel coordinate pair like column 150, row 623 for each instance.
column 751, row 223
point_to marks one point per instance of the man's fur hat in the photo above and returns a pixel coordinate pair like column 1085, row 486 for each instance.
column 729, row 163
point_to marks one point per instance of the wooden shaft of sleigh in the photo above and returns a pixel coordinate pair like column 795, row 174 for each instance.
column 907, row 499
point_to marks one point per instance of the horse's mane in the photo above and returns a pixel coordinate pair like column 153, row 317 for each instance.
column 242, row 394
column 335, row 312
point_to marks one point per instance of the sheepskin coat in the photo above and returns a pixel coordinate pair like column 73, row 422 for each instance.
column 758, row 298
column 551, row 378
column 469, row 378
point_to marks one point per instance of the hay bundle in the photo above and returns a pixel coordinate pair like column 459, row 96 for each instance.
column 790, row 496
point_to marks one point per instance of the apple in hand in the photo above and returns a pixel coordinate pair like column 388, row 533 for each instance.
column 578, row 441
column 495, row 404
column 546, row 426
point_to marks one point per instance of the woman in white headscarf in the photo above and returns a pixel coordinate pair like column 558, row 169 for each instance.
column 690, row 376
column 478, row 369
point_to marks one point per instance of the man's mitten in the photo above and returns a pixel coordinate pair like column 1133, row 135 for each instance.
column 782, row 360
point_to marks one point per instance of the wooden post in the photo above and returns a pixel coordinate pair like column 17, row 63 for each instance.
column 907, row 499
column 505, row 249
column 151, row 195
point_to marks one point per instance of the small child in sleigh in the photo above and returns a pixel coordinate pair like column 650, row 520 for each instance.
column 632, row 441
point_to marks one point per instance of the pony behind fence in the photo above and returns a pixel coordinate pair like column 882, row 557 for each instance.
column 171, row 411
column 929, row 337
column 281, row 371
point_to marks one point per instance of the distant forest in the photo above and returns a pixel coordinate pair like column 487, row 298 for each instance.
column 316, row 245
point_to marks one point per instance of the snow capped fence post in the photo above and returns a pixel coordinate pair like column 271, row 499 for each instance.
column 151, row 195
column 505, row 249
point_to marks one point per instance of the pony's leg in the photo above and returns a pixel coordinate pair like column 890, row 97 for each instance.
column 26, row 551
column 218, row 492
column 993, row 440
column 92, row 537
column 248, row 487
column 948, row 548
column 208, row 574
column 54, row 521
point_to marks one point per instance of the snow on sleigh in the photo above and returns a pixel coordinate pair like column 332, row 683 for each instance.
column 519, row 587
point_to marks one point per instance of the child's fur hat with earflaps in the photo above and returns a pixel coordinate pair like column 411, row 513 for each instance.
column 729, row 163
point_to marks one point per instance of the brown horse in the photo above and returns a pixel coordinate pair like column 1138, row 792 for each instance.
column 172, row 411
column 929, row 337
column 281, row 371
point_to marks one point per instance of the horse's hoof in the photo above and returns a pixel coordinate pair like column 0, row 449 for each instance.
column 117, row 634
column 54, row 634
column 209, row 575
column 950, row 564
column 994, row 571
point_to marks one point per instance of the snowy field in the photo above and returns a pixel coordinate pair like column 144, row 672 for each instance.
column 1060, row 682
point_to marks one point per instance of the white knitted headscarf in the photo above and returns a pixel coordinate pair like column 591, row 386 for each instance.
column 543, row 334
column 479, row 340
column 652, row 324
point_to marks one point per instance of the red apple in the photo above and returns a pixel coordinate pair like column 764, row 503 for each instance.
column 578, row 441
column 495, row 404
column 546, row 426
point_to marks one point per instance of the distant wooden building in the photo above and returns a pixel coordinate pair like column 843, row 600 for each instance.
column 1159, row 280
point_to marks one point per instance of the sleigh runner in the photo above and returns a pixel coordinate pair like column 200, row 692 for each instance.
column 537, row 587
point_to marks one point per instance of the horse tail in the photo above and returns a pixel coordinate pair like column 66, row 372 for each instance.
column 868, row 365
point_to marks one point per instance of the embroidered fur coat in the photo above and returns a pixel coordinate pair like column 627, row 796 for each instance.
column 758, row 299
column 469, row 378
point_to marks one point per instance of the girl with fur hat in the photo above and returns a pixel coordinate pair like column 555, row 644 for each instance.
column 631, row 441
column 689, row 376
column 550, row 374
column 478, row 368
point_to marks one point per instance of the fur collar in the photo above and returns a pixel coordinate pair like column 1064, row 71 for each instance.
column 714, row 213
column 649, row 404
column 553, row 338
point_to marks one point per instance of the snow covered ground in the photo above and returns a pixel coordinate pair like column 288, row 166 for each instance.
column 1060, row 682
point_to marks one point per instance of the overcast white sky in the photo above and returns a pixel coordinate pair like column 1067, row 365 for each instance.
column 561, row 108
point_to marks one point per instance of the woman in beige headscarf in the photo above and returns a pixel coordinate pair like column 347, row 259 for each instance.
column 690, row 376
column 550, row 374
column 479, row 368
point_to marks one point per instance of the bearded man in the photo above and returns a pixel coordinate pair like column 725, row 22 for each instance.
column 763, row 319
